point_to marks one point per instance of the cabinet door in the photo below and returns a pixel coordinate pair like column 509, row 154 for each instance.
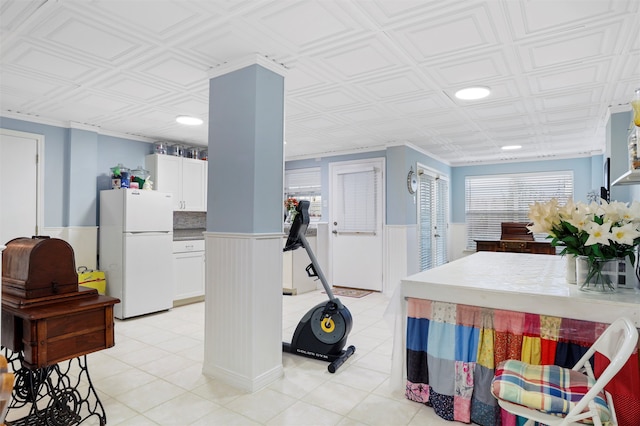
column 166, row 174
column 188, row 275
column 193, row 184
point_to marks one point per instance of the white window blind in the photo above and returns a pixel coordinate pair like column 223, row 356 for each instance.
column 491, row 200
column 442, row 221
column 433, row 213
column 302, row 181
column 427, row 198
column 305, row 184
column 358, row 191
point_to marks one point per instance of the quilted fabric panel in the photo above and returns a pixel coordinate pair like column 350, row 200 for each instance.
column 547, row 388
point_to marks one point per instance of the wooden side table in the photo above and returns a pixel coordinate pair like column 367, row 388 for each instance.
column 46, row 342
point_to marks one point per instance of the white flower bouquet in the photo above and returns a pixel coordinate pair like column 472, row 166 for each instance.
column 601, row 232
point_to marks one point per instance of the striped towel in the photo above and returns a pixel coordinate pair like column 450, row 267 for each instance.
column 547, row 388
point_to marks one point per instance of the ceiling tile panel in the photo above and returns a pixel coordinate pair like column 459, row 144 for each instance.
column 472, row 70
column 392, row 86
column 176, row 70
column 304, row 23
column 562, row 50
column 33, row 59
column 531, row 17
column 26, row 84
column 361, row 73
column 331, row 99
column 425, row 103
column 464, row 31
column 221, row 44
column 361, row 58
column 168, row 16
column 570, row 99
column 582, row 76
column 94, row 41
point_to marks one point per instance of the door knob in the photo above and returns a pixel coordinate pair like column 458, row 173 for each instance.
column 334, row 232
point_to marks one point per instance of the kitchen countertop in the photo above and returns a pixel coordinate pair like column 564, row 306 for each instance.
column 188, row 234
column 311, row 232
column 196, row 234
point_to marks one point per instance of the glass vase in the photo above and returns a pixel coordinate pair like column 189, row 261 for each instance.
column 597, row 275
column 570, row 273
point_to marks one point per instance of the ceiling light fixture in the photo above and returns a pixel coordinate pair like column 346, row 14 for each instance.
column 473, row 93
column 511, row 147
column 188, row 120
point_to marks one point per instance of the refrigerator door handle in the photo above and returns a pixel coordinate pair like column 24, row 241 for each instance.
column 151, row 233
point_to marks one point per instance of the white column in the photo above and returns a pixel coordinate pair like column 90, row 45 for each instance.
column 243, row 242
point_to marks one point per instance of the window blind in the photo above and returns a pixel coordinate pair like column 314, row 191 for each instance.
column 425, row 219
column 433, row 213
column 358, row 191
column 305, row 184
column 302, row 181
column 442, row 222
column 491, row 200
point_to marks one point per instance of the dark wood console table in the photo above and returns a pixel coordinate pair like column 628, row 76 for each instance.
column 516, row 246
column 46, row 339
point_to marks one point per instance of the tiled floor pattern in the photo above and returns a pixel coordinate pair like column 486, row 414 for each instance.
column 153, row 376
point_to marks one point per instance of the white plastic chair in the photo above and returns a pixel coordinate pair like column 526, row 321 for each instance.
column 617, row 343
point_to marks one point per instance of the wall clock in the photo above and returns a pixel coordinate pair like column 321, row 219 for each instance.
column 412, row 182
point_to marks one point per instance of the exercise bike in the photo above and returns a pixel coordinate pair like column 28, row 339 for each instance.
column 322, row 332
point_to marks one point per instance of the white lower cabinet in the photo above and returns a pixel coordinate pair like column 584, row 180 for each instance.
column 188, row 270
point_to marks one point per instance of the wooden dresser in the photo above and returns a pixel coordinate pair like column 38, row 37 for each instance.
column 515, row 238
column 514, row 246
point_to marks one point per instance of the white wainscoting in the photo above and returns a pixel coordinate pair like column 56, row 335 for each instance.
column 458, row 241
column 243, row 309
column 83, row 240
column 401, row 258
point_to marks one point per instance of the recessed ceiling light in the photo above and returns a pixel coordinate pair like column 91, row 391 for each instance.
column 188, row 120
column 511, row 147
column 473, row 93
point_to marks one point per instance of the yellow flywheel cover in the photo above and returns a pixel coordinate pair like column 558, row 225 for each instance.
column 327, row 325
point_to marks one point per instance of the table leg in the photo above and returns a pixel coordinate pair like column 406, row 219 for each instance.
column 57, row 395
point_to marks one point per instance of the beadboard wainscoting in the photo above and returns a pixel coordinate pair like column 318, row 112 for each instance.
column 401, row 255
column 83, row 240
column 243, row 309
column 457, row 246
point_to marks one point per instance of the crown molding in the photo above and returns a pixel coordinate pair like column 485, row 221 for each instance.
column 247, row 61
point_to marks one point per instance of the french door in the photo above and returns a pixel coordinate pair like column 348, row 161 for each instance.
column 433, row 218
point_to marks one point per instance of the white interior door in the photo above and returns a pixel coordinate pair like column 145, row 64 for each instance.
column 20, row 196
column 357, row 201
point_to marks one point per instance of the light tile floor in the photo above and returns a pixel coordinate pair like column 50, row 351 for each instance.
column 153, row 375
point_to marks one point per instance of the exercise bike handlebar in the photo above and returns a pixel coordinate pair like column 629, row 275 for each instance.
column 297, row 239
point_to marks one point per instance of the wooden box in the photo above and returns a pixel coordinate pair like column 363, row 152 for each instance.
column 38, row 267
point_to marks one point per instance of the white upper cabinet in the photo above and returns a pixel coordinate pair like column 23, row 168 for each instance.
column 185, row 178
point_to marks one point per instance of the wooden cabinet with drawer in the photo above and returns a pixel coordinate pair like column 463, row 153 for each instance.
column 49, row 333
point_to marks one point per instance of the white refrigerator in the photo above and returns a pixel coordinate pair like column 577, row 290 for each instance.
column 135, row 250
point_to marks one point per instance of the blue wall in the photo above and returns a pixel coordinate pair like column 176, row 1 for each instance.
column 584, row 177
column 76, row 168
column 246, row 116
column 77, row 164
